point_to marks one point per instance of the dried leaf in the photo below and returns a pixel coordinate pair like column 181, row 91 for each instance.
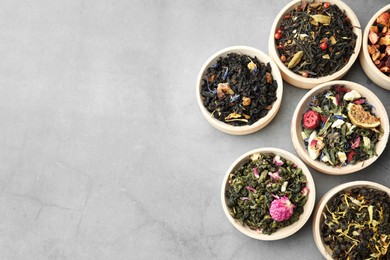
column 295, row 60
column 324, row 19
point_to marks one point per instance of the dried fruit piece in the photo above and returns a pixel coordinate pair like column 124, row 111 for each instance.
column 246, row 101
column 362, row 118
column 384, row 19
column 311, row 119
column 385, row 40
column 224, row 88
column 373, row 37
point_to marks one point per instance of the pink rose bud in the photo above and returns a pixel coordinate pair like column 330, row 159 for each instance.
column 281, row 209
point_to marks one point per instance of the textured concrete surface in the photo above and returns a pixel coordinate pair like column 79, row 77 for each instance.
column 104, row 152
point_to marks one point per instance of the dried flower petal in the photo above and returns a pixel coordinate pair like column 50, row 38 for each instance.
column 251, row 189
column 277, row 161
column 251, row 66
column 305, row 191
column 275, row 175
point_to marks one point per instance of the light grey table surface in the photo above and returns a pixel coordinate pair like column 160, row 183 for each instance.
column 104, row 151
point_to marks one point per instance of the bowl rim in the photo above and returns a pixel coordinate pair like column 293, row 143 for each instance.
column 286, row 231
column 365, row 56
column 262, row 122
column 317, row 215
column 320, row 166
column 308, row 83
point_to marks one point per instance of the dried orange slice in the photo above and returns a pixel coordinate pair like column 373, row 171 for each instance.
column 362, row 118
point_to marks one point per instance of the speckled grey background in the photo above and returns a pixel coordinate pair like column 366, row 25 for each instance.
column 104, row 152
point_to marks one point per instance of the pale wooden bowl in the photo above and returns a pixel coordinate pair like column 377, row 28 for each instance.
column 301, row 108
column 308, row 83
column 318, row 217
column 366, row 62
column 262, row 122
column 283, row 232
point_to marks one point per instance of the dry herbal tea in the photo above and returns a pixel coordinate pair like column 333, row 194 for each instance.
column 356, row 224
column 238, row 89
column 267, row 193
column 315, row 39
column 339, row 127
column 379, row 43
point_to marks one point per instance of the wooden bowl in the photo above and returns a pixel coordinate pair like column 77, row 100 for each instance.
column 366, row 62
column 303, row 105
column 283, row 232
column 308, row 83
column 318, row 217
column 262, row 122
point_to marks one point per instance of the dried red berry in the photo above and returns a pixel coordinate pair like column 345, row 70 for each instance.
column 305, row 74
column 326, row 5
column 311, row 119
column 278, row 36
column 323, row 46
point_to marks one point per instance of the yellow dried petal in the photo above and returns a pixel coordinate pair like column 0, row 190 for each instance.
column 251, row 66
column 232, row 115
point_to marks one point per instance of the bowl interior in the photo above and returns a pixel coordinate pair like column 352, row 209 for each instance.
column 283, row 232
column 365, row 58
column 318, row 216
column 262, row 122
column 308, row 83
column 302, row 107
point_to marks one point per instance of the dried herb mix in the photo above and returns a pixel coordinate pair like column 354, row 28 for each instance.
column 379, row 43
column 339, row 128
column 356, row 224
column 267, row 192
column 238, row 89
column 315, row 39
